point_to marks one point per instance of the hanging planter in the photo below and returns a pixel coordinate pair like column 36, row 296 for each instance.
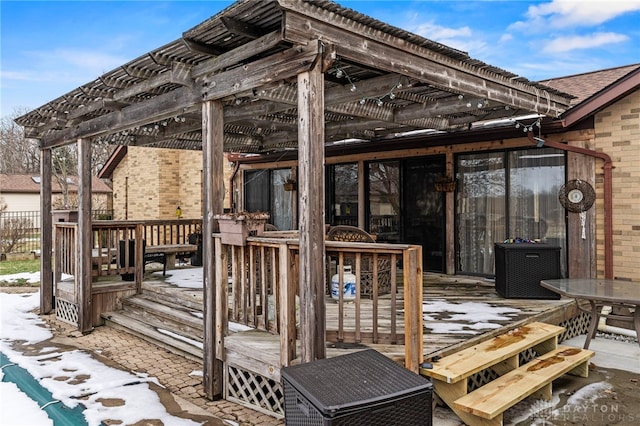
column 236, row 227
column 290, row 184
column 445, row 184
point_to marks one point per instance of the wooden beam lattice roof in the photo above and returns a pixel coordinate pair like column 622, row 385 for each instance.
column 379, row 79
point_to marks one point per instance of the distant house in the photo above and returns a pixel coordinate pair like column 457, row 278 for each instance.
column 21, row 192
column 151, row 183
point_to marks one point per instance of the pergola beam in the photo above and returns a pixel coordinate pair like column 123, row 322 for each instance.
column 280, row 66
column 283, row 65
column 369, row 47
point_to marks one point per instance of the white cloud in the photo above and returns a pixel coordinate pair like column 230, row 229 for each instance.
column 582, row 13
column 560, row 14
column 569, row 43
column 461, row 38
column 505, row 38
column 437, row 32
column 91, row 61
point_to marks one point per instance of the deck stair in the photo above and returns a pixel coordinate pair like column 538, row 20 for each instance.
column 160, row 318
column 486, row 404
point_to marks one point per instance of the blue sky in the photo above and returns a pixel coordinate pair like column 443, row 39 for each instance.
column 49, row 48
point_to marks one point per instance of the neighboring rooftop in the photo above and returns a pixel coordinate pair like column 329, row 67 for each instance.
column 587, row 84
column 30, row 183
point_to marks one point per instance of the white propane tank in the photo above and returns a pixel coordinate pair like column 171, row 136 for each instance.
column 349, row 285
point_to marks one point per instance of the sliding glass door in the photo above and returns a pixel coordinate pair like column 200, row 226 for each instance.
column 423, row 212
column 507, row 195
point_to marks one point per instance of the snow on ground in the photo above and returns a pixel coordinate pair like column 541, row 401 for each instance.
column 84, row 376
column 187, row 277
column 443, row 317
column 29, row 277
column 17, row 409
column 73, row 377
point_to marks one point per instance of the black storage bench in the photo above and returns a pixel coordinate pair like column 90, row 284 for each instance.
column 363, row 388
column 521, row 266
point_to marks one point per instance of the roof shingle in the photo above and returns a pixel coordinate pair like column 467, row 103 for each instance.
column 26, row 183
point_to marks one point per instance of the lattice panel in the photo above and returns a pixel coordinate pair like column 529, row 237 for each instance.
column 576, row 326
column 480, row 379
column 66, row 311
column 253, row 390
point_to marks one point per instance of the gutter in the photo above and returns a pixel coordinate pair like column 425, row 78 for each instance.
column 608, row 198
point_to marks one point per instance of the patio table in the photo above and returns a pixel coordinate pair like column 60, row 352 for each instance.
column 599, row 293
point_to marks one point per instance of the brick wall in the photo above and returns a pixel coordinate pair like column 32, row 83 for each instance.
column 618, row 134
column 150, row 183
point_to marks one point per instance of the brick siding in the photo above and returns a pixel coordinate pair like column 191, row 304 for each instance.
column 150, row 183
column 617, row 131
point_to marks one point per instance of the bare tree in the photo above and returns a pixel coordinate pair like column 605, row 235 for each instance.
column 19, row 155
column 65, row 165
column 12, row 230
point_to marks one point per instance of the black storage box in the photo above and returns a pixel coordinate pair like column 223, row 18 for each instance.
column 521, row 267
column 131, row 261
column 363, row 388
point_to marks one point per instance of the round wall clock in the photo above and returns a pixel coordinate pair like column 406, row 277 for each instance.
column 577, row 196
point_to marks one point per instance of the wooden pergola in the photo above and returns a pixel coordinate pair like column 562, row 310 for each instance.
column 269, row 75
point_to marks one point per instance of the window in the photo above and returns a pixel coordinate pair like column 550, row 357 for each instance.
column 507, row 195
column 384, row 200
column 343, row 184
column 264, row 191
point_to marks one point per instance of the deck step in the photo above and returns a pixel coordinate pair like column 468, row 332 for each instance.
column 501, row 349
column 187, row 297
column 535, row 377
column 166, row 315
column 171, row 340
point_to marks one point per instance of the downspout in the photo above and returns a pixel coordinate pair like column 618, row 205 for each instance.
column 608, row 198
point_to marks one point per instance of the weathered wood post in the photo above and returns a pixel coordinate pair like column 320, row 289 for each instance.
column 311, row 202
column 213, row 186
column 46, row 233
column 85, row 308
column 413, row 341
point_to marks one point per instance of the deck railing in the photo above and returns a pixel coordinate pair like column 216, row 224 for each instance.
column 114, row 248
column 114, row 251
column 164, row 232
column 262, row 292
column 65, row 252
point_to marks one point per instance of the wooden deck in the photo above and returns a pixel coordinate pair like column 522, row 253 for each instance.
column 458, row 313
column 441, row 289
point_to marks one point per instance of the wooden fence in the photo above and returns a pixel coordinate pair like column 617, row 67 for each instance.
column 20, row 231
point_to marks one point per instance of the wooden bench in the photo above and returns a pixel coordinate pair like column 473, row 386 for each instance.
column 167, row 253
column 450, row 374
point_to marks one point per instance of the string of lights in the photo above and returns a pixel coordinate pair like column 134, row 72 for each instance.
column 340, row 72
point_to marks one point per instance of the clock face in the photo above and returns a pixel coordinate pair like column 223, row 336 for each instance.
column 575, row 196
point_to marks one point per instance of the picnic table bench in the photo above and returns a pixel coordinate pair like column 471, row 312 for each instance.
column 167, row 253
